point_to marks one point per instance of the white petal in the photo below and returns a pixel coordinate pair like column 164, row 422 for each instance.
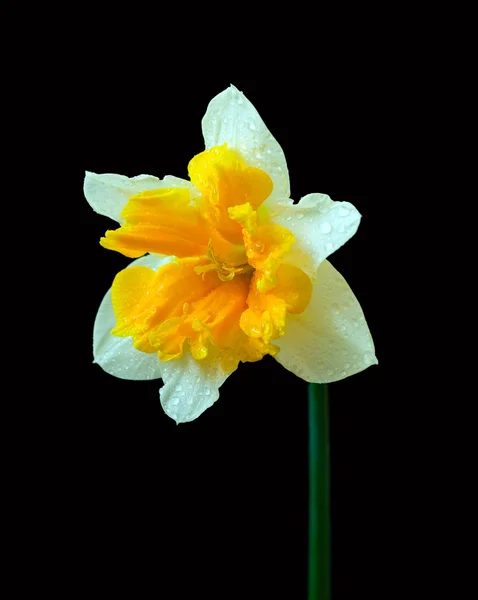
column 116, row 355
column 320, row 226
column 330, row 340
column 108, row 193
column 190, row 387
column 231, row 118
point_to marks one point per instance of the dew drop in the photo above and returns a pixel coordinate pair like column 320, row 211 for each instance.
column 343, row 374
column 178, row 388
column 300, row 215
column 207, row 391
column 330, row 372
column 325, row 227
column 252, row 126
column 175, row 401
column 336, row 308
column 329, row 247
column 343, row 212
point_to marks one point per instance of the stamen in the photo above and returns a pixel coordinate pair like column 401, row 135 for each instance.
column 224, row 272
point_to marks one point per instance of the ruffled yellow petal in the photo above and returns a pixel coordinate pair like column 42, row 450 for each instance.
column 224, row 180
column 143, row 299
column 163, row 310
column 294, row 287
column 265, row 244
column 266, row 316
column 161, row 221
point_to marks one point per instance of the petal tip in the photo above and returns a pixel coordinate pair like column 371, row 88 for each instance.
column 89, row 176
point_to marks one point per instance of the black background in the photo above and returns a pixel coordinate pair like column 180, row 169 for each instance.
column 218, row 507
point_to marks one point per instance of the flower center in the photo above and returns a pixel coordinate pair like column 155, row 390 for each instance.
column 228, row 291
column 224, row 271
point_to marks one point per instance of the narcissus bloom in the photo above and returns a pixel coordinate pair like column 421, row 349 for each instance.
column 228, row 269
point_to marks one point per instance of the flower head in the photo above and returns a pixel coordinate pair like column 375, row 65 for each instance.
column 227, row 270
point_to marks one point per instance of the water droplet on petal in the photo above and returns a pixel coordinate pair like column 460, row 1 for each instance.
column 329, row 247
column 175, row 400
column 207, row 391
column 325, row 227
column 336, row 308
column 178, row 388
column 343, row 212
column 300, row 215
column 252, row 126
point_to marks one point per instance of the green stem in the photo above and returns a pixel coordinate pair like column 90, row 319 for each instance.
column 319, row 493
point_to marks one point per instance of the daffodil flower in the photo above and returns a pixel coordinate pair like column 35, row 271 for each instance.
column 227, row 269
